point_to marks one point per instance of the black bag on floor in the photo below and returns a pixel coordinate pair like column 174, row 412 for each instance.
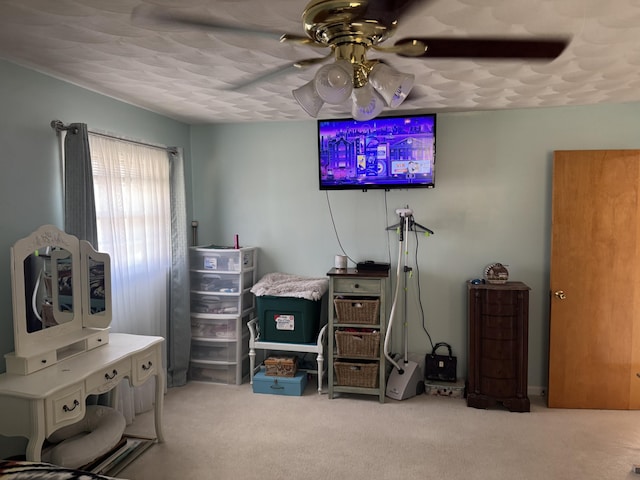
column 441, row 368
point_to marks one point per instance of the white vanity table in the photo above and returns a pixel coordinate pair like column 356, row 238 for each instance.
column 38, row 404
column 65, row 355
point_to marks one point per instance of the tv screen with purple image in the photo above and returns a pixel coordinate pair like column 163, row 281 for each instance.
column 385, row 152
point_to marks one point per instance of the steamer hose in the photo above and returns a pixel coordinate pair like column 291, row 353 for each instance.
column 392, row 315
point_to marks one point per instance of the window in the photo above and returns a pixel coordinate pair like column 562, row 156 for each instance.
column 132, row 197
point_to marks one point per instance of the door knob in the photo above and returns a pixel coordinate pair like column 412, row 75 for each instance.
column 560, row 294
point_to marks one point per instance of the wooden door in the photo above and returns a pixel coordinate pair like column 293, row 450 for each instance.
column 594, row 346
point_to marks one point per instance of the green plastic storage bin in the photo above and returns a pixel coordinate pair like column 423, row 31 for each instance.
column 288, row 319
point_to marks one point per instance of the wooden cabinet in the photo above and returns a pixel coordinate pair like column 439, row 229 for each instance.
column 498, row 345
column 359, row 366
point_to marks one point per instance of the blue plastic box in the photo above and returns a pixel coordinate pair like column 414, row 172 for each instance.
column 293, row 386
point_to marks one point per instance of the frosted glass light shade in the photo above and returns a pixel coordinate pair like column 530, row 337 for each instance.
column 394, row 86
column 334, row 82
column 367, row 103
column 308, row 98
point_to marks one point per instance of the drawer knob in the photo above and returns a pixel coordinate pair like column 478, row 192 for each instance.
column 148, row 365
column 70, row 409
column 357, row 285
column 112, row 376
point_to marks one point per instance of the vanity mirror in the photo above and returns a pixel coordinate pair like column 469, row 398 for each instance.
column 61, row 291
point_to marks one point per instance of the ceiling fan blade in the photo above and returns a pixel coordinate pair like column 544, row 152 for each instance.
column 491, row 48
column 154, row 16
column 282, row 70
column 278, row 71
column 389, row 11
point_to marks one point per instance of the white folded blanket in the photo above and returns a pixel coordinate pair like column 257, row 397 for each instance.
column 288, row 285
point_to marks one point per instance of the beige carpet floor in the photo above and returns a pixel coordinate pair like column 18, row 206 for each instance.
column 228, row 432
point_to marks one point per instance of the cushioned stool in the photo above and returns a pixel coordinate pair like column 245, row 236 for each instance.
column 98, row 432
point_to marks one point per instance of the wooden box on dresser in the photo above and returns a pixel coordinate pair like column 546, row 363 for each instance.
column 498, row 345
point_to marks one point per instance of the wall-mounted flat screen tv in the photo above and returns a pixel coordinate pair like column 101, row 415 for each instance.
column 385, row 152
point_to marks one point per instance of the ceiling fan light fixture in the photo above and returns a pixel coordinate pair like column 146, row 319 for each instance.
column 334, row 82
column 308, row 98
column 367, row 103
column 392, row 85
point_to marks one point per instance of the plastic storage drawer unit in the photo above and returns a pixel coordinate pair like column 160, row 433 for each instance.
column 292, row 386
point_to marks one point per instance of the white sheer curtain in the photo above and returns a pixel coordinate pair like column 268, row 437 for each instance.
column 133, row 217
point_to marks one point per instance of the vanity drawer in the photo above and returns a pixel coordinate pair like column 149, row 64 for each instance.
column 101, row 338
column 65, row 407
column 108, row 377
column 367, row 286
column 27, row 365
column 144, row 365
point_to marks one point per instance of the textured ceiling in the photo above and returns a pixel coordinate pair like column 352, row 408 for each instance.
column 185, row 73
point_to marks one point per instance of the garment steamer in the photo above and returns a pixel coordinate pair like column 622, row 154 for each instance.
column 406, row 379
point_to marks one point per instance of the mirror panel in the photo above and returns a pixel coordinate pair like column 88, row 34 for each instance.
column 56, row 248
column 96, row 283
column 62, row 282
column 47, row 306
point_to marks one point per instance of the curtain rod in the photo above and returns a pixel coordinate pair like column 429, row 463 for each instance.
column 58, row 126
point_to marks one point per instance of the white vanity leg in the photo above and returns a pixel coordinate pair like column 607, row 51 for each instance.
column 159, row 404
column 36, row 430
column 34, row 447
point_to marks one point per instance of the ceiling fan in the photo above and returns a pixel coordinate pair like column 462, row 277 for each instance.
column 350, row 29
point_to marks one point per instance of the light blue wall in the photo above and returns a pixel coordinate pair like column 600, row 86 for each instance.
column 491, row 203
column 30, row 193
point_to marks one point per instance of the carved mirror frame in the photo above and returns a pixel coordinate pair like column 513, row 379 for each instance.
column 71, row 323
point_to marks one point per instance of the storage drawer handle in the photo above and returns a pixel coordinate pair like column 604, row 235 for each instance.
column 275, row 385
column 148, row 365
column 71, row 409
column 112, row 376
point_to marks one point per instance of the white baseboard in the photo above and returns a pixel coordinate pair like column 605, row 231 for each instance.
column 538, row 391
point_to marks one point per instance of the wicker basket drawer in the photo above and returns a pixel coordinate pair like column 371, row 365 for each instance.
column 357, row 310
column 353, row 374
column 357, row 344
